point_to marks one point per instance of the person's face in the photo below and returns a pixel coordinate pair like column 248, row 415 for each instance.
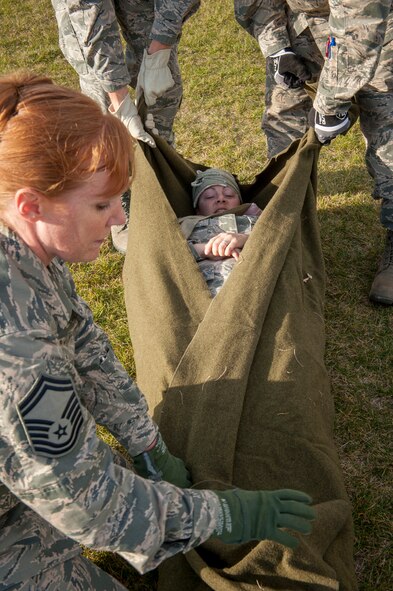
column 217, row 199
column 74, row 224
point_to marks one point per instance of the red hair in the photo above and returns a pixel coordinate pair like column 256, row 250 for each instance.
column 53, row 138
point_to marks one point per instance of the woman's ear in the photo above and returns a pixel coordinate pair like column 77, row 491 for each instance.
column 29, row 203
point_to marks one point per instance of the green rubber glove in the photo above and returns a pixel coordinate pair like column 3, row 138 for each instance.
column 158, row 464
column 261, row 515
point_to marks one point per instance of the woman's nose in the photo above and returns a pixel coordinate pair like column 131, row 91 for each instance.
column 119, row 216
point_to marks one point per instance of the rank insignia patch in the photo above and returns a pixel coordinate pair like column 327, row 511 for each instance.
column 51, row 415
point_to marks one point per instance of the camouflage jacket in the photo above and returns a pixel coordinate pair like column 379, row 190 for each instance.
column 273, row 22
column 216, row 272
column 360, row 28
column 58, row 378
column 363, row 39
column 91, row 26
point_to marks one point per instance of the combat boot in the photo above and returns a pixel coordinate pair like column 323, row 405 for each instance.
column 382, row 287
column 120, row 233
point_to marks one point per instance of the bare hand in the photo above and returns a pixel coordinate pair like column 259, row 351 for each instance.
column 225, row 245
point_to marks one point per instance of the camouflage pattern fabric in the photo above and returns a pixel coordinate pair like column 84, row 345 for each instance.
column 285, row 117
column 275, row 23
column 362, row 56
column 58, row 377
column 89, row 38
column 359, row 66
column 376, row 116
column 78, row 574
column 216, row 273
column 57, row 562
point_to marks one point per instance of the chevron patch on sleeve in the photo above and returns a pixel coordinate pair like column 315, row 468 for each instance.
column 51, row 416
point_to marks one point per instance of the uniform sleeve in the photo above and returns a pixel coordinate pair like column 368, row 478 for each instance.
column 107, row 390
column 53, row 461
column 194, row 253
column 358, row 28
column 266, row 21
column 169, row 16
column 92, row 26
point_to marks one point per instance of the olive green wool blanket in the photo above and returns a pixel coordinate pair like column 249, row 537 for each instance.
column 238, row 383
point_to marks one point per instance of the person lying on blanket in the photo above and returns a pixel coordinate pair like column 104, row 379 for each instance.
column 215, row 237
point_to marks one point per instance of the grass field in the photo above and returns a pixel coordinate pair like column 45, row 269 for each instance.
column 219, row 125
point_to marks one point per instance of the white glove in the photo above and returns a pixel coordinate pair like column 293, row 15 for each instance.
column 150, row 124
column 128, row 114
column 154, row 76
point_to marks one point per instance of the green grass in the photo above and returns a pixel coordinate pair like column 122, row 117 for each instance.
column 219, row 125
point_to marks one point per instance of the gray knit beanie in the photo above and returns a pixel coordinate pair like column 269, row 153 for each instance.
column 209, row 178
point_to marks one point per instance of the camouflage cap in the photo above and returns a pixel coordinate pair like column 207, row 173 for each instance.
column 209, row 178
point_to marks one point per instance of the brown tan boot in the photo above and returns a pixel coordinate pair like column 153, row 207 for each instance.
column 382, row 287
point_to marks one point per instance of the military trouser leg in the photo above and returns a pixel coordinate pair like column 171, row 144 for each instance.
column 376, row 122
column 285, row 118
column 77, row 574
column 119, row 233
column 136, row 19
column 71, row 49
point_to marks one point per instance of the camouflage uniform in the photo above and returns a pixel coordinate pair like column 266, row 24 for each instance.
column 217, row 272
column 59, row 484
column 90, row 41
column 363, row 71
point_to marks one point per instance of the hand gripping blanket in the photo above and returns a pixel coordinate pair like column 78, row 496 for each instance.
column 238, row 382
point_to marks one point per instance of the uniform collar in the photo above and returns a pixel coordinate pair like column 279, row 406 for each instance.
column 51, row 284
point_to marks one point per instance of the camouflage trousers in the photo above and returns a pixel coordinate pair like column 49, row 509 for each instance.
column 34, row 556
column 286, row 113
column 78, row 574
column 135, row 19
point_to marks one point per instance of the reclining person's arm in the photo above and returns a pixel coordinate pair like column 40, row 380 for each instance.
column 224, row 245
